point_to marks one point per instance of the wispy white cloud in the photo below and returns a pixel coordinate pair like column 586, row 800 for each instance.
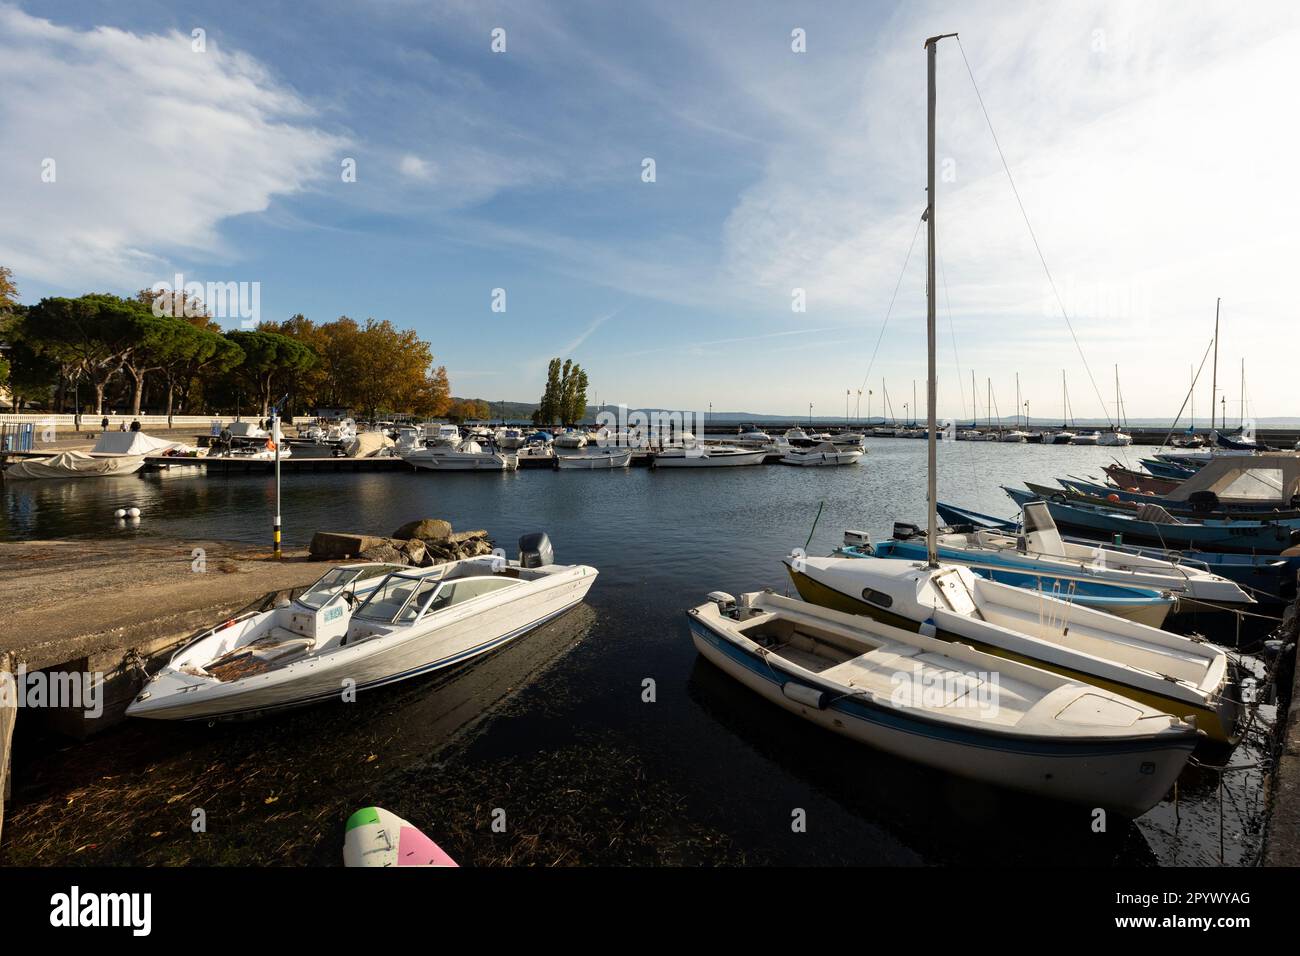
column 153, row 145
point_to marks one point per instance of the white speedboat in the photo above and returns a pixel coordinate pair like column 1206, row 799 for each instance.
column 413, row 621
column 797, row 436
column 824, row 454
column 850, row 440
column 947, row 706
column 593, row 458
column 1116, row 438
column 707, row 456
column 535, row 449
column 445, row 434
column 509, row 438
column 467, row 456
column 1014, row 436
column 1176, row 674
column 752, row 435
column 571, row 438
column 1086, row 438
column 1063, row 438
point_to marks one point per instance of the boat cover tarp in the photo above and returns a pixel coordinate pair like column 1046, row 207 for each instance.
column 1156, row 515
column 74, row 464
column 1270, row 477
column 368, row 445
column 132, row 443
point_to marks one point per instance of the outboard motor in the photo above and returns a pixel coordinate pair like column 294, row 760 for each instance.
column 535, row 550
column 905, row 529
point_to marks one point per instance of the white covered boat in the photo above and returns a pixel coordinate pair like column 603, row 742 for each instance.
column 823, row 454
column 1086, row 438
column 944, row 705
column 118, row 444
column 707, row 456
column 74, row 464
column 595, row 458
column 570, row 438
column 413, row 621
column 510, row 438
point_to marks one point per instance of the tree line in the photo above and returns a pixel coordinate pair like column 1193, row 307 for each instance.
column 162, row 350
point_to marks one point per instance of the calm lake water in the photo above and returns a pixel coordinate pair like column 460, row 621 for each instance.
column 553, row 734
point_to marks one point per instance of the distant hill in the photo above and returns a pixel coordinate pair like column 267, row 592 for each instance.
column 522, row 412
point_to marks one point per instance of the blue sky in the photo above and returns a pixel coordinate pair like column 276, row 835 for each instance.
column 1151, row 148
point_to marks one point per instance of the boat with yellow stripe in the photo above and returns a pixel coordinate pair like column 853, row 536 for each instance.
column 1178, row 675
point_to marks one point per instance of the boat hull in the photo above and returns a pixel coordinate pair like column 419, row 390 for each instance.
column 1243, row 537
column 588, row 462
column 707, row 460
column 1079, row 772
column 369, row 665
column 1141, row 605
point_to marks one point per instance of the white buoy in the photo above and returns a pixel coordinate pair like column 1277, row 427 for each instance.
column 133, row 512
column 119, row 513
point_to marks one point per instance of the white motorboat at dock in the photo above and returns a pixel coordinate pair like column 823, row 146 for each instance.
column 467, row 456
column 824, row 454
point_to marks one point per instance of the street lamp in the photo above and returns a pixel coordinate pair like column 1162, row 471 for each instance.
column 810, row 404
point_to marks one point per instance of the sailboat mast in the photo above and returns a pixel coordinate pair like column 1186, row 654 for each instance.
column 1243, row 394
column 1214, row 380
column 932, row 462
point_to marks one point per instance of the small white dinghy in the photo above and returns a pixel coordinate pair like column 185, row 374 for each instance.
column 413, row 621
column 592, row 458
column 945, row 705
column 827, row 453
column 376, row 837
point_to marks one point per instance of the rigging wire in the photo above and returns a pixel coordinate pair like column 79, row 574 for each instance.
column 952, row 332
column 884, row 325
column 1041, row 258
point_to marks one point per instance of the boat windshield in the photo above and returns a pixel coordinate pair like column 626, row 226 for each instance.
column 340, row 579
column 398, row 597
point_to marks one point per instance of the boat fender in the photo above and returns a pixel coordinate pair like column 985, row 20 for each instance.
column 803, row 694
column 927, row 628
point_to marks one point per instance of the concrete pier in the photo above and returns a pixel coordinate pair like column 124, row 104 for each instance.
column 8, row 717
column 99, row 607
column 1282, row 843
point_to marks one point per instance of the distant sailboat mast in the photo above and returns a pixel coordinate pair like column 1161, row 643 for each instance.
column 1214, row 380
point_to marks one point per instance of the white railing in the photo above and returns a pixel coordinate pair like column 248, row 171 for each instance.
column 90, row 421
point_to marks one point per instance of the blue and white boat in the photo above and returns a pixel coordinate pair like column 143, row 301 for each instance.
column 1268, row 579
column 1145, row 605
column 1036, row 556
column 1151, row 524
column 946, row 706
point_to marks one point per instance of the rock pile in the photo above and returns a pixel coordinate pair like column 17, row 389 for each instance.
column 419, row 544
